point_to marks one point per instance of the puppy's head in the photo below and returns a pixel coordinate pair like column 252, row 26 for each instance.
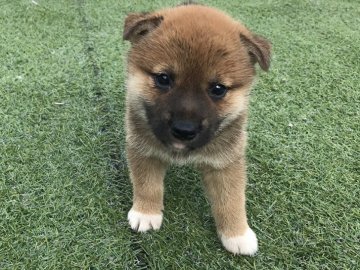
column 190, row 69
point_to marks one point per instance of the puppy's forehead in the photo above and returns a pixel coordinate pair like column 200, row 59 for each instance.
column 196, row 18
column 192, row 40
column 198, row 29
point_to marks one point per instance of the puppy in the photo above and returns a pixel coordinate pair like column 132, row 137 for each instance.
column 190, row 70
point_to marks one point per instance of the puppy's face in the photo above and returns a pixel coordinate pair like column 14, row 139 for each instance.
column 189, row 72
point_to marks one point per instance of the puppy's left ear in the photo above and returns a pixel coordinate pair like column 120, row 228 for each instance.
column 259, row 49
column 138, row 25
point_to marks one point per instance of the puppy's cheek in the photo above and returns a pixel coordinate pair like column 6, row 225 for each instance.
column 236, row 103
column 140, row 85
column 139, row 89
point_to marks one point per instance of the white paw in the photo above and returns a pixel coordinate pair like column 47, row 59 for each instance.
column 143, row 222
column 245, row 244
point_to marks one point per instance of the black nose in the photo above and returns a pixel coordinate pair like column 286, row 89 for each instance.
column 184, row 130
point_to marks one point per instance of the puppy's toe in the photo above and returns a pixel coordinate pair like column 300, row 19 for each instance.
column 143, row 222
column 245, row 244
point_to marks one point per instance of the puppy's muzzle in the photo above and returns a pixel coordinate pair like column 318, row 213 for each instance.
column 184, row 130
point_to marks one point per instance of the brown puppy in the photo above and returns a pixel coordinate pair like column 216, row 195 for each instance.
column 190, row 70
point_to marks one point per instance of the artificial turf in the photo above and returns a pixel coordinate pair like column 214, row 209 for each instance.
column 64, row 187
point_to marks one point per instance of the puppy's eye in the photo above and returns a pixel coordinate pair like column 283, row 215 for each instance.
column 218, row 91
column 162, row 81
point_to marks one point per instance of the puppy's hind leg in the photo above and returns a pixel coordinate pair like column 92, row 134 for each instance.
column 226, row 191
column 147, row 176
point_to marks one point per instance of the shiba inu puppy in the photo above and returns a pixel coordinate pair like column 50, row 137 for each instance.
column 190, row 71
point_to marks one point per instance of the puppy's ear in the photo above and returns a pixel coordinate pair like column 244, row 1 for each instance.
column 259, row 49
column 138, row 25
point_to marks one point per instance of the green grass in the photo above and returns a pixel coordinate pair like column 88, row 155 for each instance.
column 64, row 187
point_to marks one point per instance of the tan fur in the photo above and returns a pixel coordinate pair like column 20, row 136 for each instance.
column 147, row 175
column 214, row 47
column 226, row 190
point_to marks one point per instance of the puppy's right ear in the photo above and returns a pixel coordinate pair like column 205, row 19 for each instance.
column 138, row 25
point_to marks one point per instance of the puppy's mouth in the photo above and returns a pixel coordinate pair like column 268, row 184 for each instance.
column 178, row 146
column 181, row 146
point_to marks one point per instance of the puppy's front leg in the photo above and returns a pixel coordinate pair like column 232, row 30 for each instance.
column 147, row 176
column 226, row 191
